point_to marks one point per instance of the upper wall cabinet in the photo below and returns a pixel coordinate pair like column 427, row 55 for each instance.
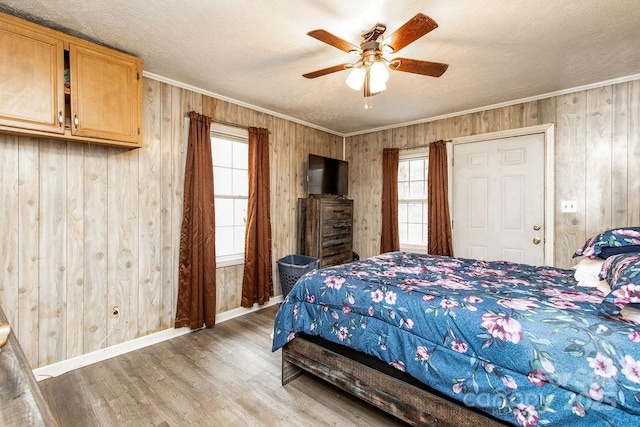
column 58, row 86
column 105, row 95
column 31, row 79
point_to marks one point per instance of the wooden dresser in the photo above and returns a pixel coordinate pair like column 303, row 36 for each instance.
column 325, row 230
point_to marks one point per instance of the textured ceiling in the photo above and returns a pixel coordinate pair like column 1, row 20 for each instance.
column 255, row 51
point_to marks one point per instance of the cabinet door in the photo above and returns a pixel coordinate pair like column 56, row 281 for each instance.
column 31, row 79
column 106, row 94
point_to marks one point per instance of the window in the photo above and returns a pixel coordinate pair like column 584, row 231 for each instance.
column 412, row 201
column 230, row 151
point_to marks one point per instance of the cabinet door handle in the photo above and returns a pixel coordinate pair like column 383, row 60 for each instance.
column 76, row 122
column 60, row 118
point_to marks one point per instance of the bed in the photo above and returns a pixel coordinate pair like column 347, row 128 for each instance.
column 488, row 342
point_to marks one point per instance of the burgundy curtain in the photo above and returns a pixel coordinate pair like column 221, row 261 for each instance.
column 439, row 235
column 197, row 263
column 257, row 280
column 389, row 237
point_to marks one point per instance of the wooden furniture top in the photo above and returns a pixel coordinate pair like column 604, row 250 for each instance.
column 21, row 402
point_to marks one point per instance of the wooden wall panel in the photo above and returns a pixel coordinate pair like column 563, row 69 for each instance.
column 462, row 125
column 620, row 142
column 598, row 168
column 95, row 241
column 75, row 247
column 52, row 338
column 149, row 255
column 167, row 169
column 123, row 271
column 9, row 227
column 546, row 110
column 597, row 160
column 570, row 150
column 28, row 250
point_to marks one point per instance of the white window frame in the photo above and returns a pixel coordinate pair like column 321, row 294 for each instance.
column 422, row 153
column 239, row 135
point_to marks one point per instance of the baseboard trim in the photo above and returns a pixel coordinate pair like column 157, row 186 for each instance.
column 68, row 365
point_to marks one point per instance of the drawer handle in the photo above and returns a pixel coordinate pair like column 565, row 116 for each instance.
column 338, row 210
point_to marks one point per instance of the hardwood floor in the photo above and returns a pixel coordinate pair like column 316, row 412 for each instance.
column 225, row 376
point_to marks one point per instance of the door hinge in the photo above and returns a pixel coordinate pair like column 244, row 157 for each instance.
column 138, row 76
column 138, row 131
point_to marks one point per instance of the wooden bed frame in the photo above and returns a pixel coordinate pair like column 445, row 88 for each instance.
column 410, row 403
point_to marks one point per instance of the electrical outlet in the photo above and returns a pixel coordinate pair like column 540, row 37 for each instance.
column 568, row 206
column 115, row 311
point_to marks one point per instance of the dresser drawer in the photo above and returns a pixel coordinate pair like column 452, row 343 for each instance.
column 336, row 228
column 332, row 241
column 336, row 259
column 336, row 211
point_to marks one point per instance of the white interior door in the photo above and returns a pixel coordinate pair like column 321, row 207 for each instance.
column 498, row 199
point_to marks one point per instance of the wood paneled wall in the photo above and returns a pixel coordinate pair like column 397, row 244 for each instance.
column 597, row 161
column 86, row 228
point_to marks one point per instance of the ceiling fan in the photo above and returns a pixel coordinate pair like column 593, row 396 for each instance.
column 371, row 69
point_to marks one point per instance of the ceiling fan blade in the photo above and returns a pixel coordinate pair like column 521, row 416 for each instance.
column 411, row 31
column 325, row 71
column 426, row 68
column 335, row 41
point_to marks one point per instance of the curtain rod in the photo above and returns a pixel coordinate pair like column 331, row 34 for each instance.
column 424, row 145
column 235, row 125
column 222, row 122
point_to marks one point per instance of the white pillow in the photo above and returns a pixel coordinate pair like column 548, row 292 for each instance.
column 630, row 313
column 587, row 271
column 604, row 287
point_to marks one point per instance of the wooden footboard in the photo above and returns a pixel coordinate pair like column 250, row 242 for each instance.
column 407, row 402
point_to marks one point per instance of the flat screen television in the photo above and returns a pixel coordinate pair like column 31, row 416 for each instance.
column 327, row 176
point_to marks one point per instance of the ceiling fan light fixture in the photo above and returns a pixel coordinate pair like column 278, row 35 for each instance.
column 356, row 78
column 377, row 86
column 379, row 72
column 371, row 72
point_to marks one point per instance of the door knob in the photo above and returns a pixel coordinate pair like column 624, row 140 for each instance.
column 536, row 227
column 536, row 240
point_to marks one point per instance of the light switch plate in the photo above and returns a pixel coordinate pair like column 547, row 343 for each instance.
column 568, row 206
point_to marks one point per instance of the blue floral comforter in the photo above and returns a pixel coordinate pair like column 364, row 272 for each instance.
column 522, row 343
